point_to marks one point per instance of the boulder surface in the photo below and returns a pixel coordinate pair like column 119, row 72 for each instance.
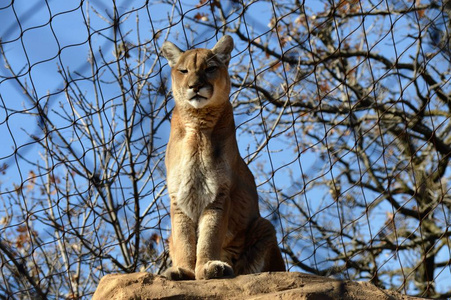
column 268, row 286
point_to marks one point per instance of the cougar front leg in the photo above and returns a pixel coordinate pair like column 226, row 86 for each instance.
column 182, row 246
column 212, row 230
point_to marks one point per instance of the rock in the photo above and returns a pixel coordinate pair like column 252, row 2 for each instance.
column 263, row 286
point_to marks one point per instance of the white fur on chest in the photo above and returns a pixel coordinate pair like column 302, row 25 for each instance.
column 197, row 180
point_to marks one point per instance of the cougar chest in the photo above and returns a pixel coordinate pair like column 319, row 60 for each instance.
column 201, row 173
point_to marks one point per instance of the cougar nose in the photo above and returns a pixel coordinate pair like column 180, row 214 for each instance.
column 196, row 86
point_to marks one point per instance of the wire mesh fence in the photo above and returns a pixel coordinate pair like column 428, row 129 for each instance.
column 342, row 111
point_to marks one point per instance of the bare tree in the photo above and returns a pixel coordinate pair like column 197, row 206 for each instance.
column 82, row 212
column 365, row 88
column 343, row 114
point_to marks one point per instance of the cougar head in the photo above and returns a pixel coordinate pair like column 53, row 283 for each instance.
column 199, row 76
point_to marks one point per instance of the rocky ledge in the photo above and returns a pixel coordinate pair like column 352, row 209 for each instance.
column 270, row 286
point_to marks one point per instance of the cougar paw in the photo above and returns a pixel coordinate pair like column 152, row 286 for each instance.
column 177, row 273
column 214, row 269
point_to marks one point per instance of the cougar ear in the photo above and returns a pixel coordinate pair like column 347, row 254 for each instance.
column 171, row 52
column 223, row 48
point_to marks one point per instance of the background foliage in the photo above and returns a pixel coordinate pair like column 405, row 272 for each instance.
column 342, row 112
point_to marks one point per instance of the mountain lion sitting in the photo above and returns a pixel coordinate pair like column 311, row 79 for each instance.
column 217, row 230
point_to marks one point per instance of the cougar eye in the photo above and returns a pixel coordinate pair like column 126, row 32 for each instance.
column 211, row 69
column 183, row 71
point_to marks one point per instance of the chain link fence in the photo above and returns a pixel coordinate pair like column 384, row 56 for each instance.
column 343, row 115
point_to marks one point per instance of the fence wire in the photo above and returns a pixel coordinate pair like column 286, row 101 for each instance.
column 343, row 115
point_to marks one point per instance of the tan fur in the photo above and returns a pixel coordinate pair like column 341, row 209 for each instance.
column 217, row 230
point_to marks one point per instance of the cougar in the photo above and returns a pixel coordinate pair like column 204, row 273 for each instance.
column 217, row 230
